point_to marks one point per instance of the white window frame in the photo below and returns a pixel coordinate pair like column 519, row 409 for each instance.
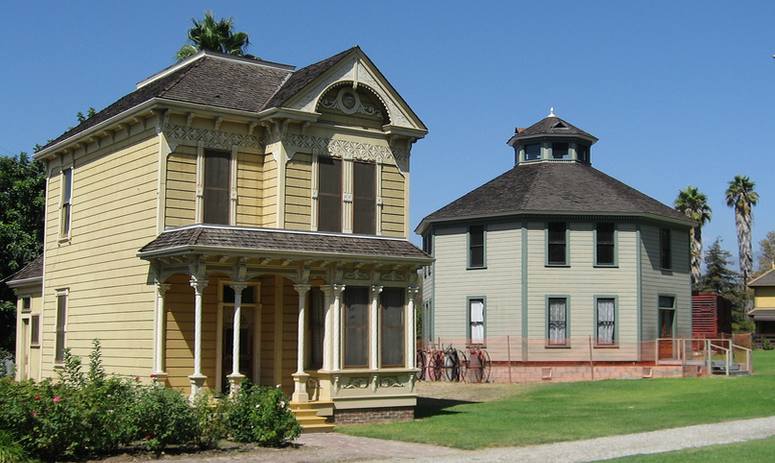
column 62, row 235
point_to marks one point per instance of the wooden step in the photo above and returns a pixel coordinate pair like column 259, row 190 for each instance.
column 327, row 427
column 307, row 416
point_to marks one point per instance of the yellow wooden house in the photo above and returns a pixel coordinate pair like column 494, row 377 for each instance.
column 763, row 312
column 236, row 218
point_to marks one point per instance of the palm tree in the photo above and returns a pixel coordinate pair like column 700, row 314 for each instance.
column 214, row 35
column 694, row 204
column 741, row 196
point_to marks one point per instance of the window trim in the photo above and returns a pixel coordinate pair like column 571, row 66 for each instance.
column 317, row 192
column 615, row 263
column 567, row 245
column 468, row 320
column 484, row 247
column 662, row 267
column 230, row 186
column 62, row 235
column 66, row 293
column 567, row 344
column 615, row 344
column 373, row 199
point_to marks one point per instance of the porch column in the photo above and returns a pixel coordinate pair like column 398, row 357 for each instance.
column 374, row 327
column 328, row 295
column 197, row 379
column 235, row 378
column 338, row 290
column 411, row 294
column 159, row 331
column 300, row 377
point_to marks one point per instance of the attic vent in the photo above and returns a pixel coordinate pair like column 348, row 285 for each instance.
column 559, row 125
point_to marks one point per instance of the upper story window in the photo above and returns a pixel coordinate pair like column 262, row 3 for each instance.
column 532, row 152
column 476, row 246
column 665, row 249
column 26, row 304
column 605, row 245
column 557, row 246
column 582, row 152
column 364, row 198
column 329, row 194
column 216, row 187
column 65, row 216
column 427, row 243
column 560, row 151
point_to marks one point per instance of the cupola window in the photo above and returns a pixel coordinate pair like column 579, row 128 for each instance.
column 532, row 152
column 582, row 153
column 560, row 151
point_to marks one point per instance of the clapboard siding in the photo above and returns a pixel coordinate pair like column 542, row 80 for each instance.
column 393, row 200
column 269, row 194
column 250, row 177
column 113, row 215
column 298, row 192
column 181, row 187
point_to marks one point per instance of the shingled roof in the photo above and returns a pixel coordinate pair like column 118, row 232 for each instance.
column 29, row 273
column 765, row 279
column 552, row 126
column 217, row 80
column 557, row 188
column 198, row 238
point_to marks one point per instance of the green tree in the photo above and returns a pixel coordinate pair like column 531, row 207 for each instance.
column 721, row 279
column 694, row 204
column 22, row 184
column 89, row 113
column 214, row 35
column 766, row 253
column 741, row 196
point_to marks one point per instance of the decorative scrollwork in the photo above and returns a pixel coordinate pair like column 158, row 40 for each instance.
column 391, row 381
column 210, row 138
column 356, row 382
column 343, row 149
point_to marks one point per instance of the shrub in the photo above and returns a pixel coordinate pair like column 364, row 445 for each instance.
column 209, row 414
column 261, row 415
column 766, row 345
column 163, row 417
column 10, row 450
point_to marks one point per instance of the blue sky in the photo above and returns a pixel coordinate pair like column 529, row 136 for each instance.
column 678, row 93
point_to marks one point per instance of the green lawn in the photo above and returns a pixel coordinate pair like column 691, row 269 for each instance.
column 570, row 411
column 757, row 451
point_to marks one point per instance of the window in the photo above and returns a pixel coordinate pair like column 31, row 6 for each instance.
column 582, row 153
column 35, row 333
column 59, row 353
column 560, row 151
column 665, row 251
column 427, row 321
column 557, row 249
column 248, row 295
column 557, row 321
column 532, row 152
column 666, row 316
column 26, row 304
column 605, row 245
column 356, row 327
column 392, row 325
column 427, row 247
column 316, row 328
column 67, row 196
column 216, row 187
column 605, row 317
column 329, row 194
column 364, row 198
column 476, row 321
column 476, row 236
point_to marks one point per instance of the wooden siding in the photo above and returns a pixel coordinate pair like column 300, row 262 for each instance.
column 114, row 214
column 250, row 178
column 180, row 198
column 298, row 192
column 269, row 194
column 393, row 200
column 764, row 297
column 655, row 281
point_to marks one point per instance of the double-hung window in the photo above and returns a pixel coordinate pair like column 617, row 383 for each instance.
column 329, row 194
column 65, row 214
column 216, row 187
column 61, row 323
column 557, row 321
column 605, row 245
column 364, row 198
column 605, row 318
column 476, row 310
column 665, row 249
column 392, row 327
column 476, row 246
column 356, row 327
column 557, row 245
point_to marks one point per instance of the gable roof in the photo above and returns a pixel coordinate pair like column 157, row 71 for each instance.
column 30, row 273
column 765, row 279
column 552, row 126
column 555, row 188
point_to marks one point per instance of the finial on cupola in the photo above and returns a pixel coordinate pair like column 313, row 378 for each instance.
column 551, row 112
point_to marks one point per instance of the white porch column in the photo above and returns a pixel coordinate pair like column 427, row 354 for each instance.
column 235, row 378
column 300, row 377
column 411, row 295
column 159, row 331
column 338, row 290
column 374, row 327
column 328, row 300
column 197, row 379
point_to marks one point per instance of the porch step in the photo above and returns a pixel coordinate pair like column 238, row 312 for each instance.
column 309, row 420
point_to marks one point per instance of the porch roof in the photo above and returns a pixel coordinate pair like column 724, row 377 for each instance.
column 763, row 313
column 197, row 239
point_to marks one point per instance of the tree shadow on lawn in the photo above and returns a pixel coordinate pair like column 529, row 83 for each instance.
column 431, row 406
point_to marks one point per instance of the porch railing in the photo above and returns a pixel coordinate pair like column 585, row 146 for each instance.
column 715, row 355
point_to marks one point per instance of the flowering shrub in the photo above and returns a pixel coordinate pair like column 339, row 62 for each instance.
column 211, row 426
column 163, row 417
column 261, row 415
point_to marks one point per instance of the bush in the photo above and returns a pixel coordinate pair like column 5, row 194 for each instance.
column 10, row 450
column 261, row 415
column 209, row 414
column 766, row 345
column 163, row 417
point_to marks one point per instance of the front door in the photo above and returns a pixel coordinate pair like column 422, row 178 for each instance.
column 246, row 344
column 666, row 325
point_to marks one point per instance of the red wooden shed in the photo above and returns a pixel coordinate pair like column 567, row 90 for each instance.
column 711, row 315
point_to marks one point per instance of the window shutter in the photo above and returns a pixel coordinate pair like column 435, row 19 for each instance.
column 329, row 194
column 364, row 198
column 216, row 188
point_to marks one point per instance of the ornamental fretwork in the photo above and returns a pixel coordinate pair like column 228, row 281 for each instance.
column 180, row 134
column 344, row 149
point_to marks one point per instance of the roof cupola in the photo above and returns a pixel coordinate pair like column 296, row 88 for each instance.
column 551, row 139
